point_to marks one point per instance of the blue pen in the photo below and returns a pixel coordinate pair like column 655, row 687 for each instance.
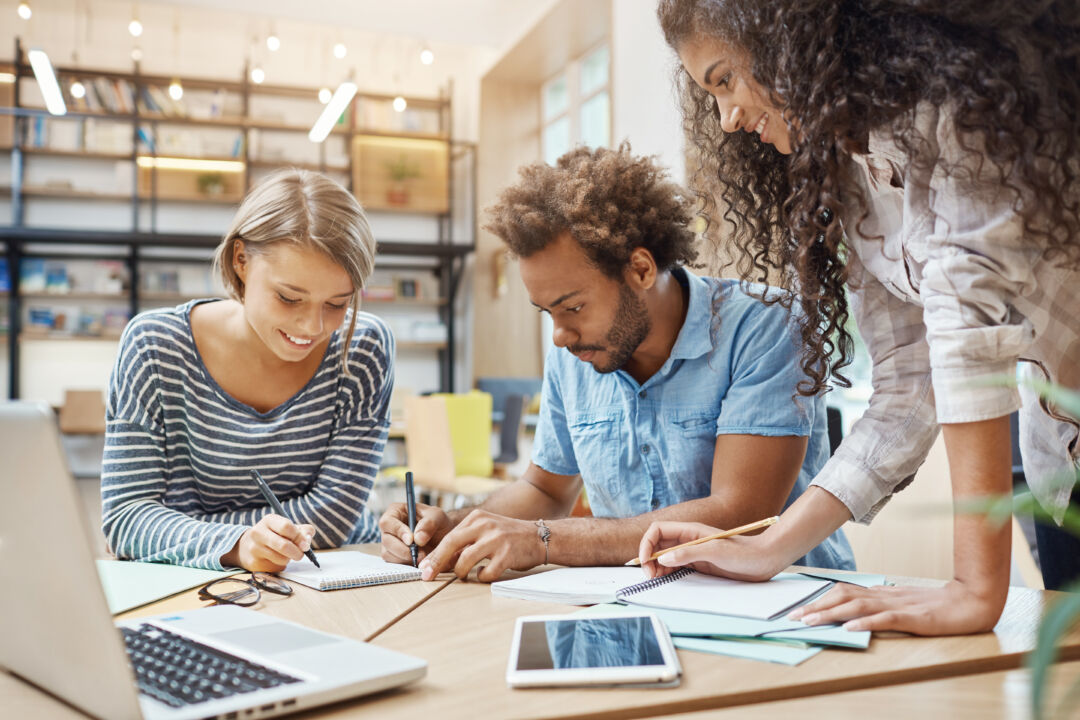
column 410, row 504
column 272, row 501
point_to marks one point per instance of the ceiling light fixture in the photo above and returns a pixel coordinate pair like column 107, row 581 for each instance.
column 273, row 43
column 176, row 90
column 257, row 75
column 325, row 95
column 24, row 11
column 340, row 51
column 400, row 104
column 426, row 56
column 46, row 78
column 330, row 114
column 78, row 90
column 135, row 27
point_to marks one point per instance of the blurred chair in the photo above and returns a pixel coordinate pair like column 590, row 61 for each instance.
column 501, row 387
column 835, row 420
column 82, row 427
column 510, row 429
column 448, row 448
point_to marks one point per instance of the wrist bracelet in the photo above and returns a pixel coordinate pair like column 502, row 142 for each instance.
column 544, row 533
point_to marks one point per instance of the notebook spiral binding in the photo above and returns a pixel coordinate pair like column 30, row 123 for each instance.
column 655, row 582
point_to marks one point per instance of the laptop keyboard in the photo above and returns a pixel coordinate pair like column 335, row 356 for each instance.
column 179, row 671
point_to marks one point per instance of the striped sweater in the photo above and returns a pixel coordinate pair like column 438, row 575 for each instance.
column 176, row 481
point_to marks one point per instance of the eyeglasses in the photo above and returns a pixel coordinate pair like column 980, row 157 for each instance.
column 244, row 591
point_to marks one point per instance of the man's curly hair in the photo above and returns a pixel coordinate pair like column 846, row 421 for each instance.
column 610, row 201
column 1009, row 72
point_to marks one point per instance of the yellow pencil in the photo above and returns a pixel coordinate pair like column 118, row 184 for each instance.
column 717, row 536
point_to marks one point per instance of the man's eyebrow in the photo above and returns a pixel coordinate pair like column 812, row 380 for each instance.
column 709, row 71
column 558, row 301
column 302, row 291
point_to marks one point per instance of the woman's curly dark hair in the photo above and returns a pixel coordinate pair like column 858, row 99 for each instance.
column 1008, row 72
column 610, row 201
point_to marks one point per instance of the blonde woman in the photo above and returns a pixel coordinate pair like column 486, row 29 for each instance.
column 286, row 377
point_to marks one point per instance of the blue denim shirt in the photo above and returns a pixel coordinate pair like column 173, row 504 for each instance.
column 641, row 447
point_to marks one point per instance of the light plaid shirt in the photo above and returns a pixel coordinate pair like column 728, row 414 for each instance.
column 949, row 296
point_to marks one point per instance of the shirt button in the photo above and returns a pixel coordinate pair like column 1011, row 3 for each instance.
column 645, row 449
column 642, row 394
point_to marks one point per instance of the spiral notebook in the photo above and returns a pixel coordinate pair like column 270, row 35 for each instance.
column 347, row 569
column 683, row 589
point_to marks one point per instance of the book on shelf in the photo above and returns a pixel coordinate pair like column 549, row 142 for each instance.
column 5, row 278
column 32, row 275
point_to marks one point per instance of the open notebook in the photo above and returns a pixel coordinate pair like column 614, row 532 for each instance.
column 347, row 569
column 683, row 589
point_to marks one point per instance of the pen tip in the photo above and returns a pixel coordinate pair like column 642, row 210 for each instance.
column 633, row 563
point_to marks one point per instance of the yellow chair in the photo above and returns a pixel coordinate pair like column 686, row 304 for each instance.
column 448, row 445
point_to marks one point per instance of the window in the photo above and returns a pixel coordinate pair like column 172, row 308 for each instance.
column 576, row 110
column 576, row 107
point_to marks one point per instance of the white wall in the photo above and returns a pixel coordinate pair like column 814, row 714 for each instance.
column 645, row 107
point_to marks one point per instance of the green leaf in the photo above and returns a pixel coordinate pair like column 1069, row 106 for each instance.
column 1057, row 621
column 1065, row 399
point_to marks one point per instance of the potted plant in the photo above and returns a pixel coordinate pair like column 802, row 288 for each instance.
column 400, row 172
column 211, row 183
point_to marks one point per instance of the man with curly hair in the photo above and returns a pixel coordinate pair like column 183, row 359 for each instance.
column 661, row 408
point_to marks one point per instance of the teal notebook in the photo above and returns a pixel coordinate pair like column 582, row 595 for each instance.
column 129, row 584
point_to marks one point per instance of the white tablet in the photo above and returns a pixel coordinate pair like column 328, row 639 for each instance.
column 600, row 649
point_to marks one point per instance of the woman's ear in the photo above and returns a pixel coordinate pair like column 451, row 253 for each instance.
column 240, row 260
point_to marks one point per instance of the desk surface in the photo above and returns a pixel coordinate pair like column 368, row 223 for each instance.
column 1002, row 695
column 465, row 633
column 358, row 613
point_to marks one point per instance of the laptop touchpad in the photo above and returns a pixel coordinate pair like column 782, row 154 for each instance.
column 273, row 638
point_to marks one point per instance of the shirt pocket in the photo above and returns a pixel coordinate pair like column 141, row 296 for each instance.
column 597, row 438
column 691, row 441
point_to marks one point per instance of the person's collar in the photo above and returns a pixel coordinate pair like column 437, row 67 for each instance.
column 695, row 336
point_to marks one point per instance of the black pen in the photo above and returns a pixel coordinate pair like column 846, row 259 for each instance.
column 410, row 504
column 272, row 501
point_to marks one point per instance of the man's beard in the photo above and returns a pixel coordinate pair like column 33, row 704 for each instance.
column 628, row 330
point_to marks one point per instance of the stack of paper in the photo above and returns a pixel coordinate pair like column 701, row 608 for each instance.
column 778, row 640
column 703, row 612
column 682, row 590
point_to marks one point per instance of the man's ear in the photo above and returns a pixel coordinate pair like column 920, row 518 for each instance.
column 641, row 270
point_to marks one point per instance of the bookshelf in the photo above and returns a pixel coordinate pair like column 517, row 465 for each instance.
column 146, row 165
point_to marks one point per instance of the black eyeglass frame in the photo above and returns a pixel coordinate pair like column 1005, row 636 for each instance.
column 256, row 581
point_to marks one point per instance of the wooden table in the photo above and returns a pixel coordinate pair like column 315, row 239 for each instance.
column 1002, row 695
column 465, row 633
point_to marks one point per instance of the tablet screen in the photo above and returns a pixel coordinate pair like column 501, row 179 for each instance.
column 588, row 643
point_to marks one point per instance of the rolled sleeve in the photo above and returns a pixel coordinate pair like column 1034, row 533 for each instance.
column 765, row 373
column 890, row 441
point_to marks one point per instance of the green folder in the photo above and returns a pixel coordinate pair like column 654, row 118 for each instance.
column 129, row 584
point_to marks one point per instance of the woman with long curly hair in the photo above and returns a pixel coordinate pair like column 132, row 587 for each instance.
column 921, row 158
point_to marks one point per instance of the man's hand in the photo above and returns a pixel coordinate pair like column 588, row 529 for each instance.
column 270, row 545
column 431, row 525
column 950, row 610
column 506, row 543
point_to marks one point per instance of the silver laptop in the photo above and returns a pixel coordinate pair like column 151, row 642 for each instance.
column 222, row 661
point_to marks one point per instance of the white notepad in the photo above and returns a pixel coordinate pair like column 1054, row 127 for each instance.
column 683, row 589
column 347, row 569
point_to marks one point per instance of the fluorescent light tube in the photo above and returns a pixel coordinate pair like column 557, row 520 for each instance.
column 330, row 114
column 177, row 163
column 46, row 78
